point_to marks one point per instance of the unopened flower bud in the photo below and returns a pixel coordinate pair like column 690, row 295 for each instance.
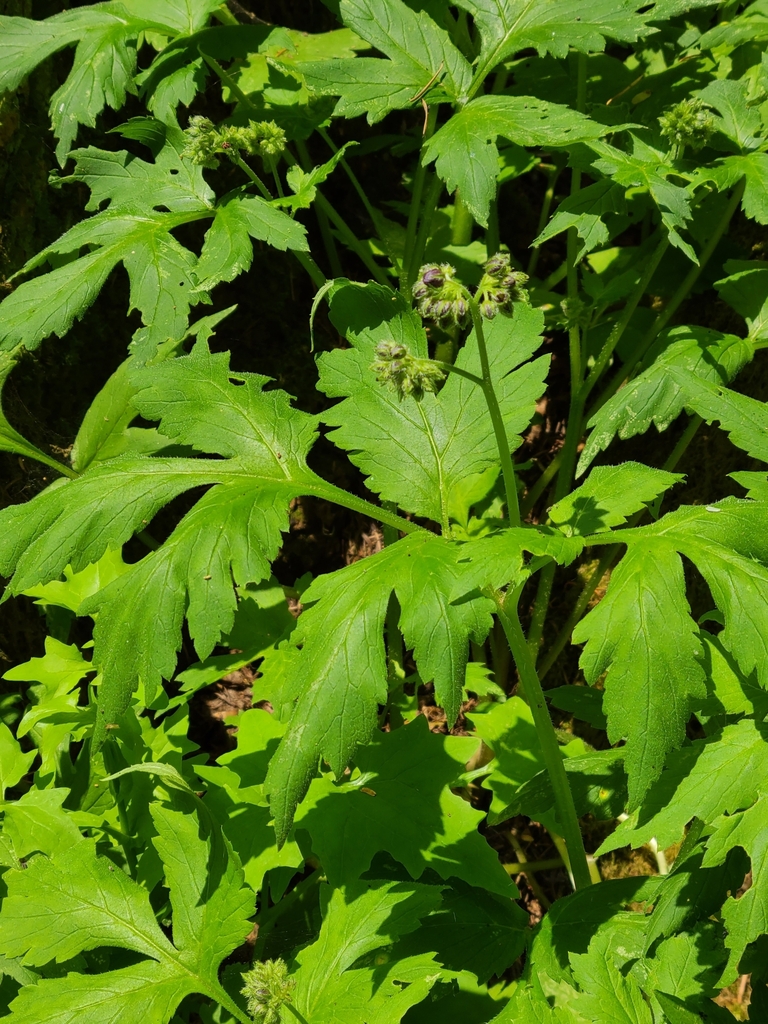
column 500, row 286
column 688, row 123
column 440, row 295
column 267, row 989
column 406, row 374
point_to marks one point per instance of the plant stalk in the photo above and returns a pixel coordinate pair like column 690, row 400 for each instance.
column 497, row 420
column 550, row 748
column 406, row 280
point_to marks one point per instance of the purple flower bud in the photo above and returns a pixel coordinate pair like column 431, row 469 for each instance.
column 433, row 277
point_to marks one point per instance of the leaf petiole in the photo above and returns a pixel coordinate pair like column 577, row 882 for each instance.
column 550, row 748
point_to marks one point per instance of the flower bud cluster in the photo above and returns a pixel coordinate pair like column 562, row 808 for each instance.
column 406, row 374
column 440, row 295
column 688, row 123
column 205, row 141
column 500, row 286
column 267, row 988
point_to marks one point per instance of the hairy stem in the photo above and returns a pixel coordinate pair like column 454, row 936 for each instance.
column 415, row 259
column 497, row 420
column 323, row 489
column 550, row 748
column 413, row 213
column 553, row 174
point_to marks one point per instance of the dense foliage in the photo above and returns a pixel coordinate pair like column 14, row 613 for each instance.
column 333, row 866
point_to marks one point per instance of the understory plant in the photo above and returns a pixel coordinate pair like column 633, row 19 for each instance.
column 334, row 866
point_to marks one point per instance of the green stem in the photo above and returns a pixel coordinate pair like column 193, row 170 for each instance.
column 497, row 420
column 238, row 161
column 452, row 368
column 224, row 16
column 623, row 322
column 492, row 237
column 323, row 489
column 550, row 748
column 546, row 206
column 541, row 485
column 462, row 221
column 351, row 239
column 30, row 452
column 572, row 274
column 350, row 174
column 299, row 1016
column 416, row 258
column 413, row 214
column 680, row 295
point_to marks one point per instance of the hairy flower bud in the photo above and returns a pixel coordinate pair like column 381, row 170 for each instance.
column 408, row 375
column 205, row 140
column 202, row 142
column 688, row 123
column 440, row 295
column 267, row 988
column 500, row 287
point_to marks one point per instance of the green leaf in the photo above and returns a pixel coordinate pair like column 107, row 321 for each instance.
column 417, row 453
column 233, row 530
column 350, row 606
column 749, row 26
column 647, row 168
column 719, row 775
column 654, row 396
column 124, row 182
column 70, row 592
column 746, row 289
column 54, row 715
column 105, row 59
column 236, row 797
column 227, row 250
column 607, row 995
column 684, row 966
column 552, row 27
column 472, row 930
column 745, row 918
column 76, row 901
column 358, row 920
column 14, row 765
column 465, row 152
column 508, row 730
column 211, row 905
column 420, row 55
column 401, row 803
column 643, row 635
column 609, row 495
column 585, row 212
column 738, row 121
column 304, row 183
column 160, row 270
column 729, row 171
column 37, row 823
column 743, row 418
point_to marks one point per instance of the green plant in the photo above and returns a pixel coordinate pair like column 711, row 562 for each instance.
column 341, row 834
